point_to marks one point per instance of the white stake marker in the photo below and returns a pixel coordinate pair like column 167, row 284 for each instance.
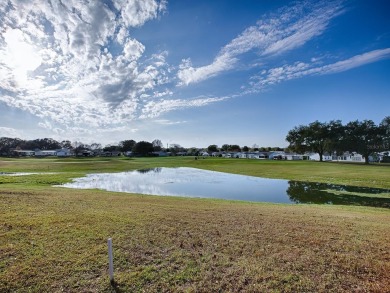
column 110, row 260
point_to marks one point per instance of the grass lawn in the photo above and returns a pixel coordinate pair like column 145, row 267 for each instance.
column 55, row 239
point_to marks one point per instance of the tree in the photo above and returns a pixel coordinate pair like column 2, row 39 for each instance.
column 66, row 144
column 363, row 137
column 8, row 143
column 193, row 151
column 95, row 146
column 157, row 145
column 225, row 147
column 175, row 148
column 245, row 149
column 212, row 148
column 296, row 138
column 42, row 144
column 318, row 137
column 234, row 148
column 385, row 133
column 126, row 145
column 112, row 148
column 48, row 144
column 78, row 147
column 143, row 148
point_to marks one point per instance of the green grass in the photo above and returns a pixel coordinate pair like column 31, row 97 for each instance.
column 55, row 239
column 335, row 173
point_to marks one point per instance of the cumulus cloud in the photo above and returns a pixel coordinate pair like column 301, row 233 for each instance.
column 272, row 35
column 57, row 62
column 137, row 12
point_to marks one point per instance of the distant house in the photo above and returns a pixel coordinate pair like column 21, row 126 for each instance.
column 24, row 153
column 350, row 157
column 251, row 155
column 45, row 153
column 111, row 154
column 263, row 155
column 295, row 157
column 316, row 157
column 384, row 157
column 242, row 155
column 63, row 153
column 345, row 157
column 278, row 155
column 86, row 153
column 160, row 154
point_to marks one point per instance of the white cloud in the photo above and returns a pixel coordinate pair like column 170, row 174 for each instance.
column 169, row 122
column 77, row 65
column 154, row 109
column 356, row 61
column 133, row 50
column 188, row 74
column 55, row 60
column 292, row 31
column 274, row 34
column 9, row 132
column 301, row 69
column 136, row 12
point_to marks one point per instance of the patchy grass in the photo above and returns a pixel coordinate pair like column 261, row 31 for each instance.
column 55, row 239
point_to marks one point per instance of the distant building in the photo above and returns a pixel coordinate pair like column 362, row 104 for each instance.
column 64, row 153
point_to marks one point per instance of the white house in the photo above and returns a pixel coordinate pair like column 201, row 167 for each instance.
column 64, row 153
column 243, row 155
column 45, row 153
column 261, row 156
column 24, row 153
column 158, row 154
column 350, row 157
column 383, row 156
column 316, row 157
column 294, row 157
column 277, row 155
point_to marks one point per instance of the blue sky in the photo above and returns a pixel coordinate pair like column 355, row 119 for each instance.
column 193, row 73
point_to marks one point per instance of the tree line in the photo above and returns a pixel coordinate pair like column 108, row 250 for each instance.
column 8, row 145
column 363, row 137
column 142, row 148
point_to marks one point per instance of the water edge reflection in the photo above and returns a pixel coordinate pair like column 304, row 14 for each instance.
column 322, row 193
column 191, row 182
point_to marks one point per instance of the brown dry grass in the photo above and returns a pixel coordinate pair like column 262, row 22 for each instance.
column 54, row 240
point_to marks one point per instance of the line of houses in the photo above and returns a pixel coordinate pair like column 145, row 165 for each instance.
column 274, row 155
column 63, row 153
column 281, row 155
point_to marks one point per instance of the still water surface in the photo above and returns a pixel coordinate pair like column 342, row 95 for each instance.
column 190, row 182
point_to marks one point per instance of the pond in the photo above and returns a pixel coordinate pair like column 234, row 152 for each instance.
column 190, row 182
